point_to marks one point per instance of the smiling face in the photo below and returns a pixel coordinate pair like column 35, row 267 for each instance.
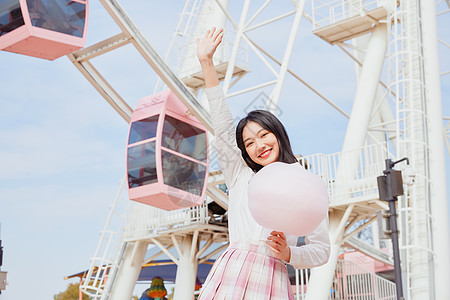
column 261, row 145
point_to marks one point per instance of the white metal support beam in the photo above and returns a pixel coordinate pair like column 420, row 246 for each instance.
column 272, row 105
column 131, row 34
column 438, row 187
column 215, row 178
column 359, row 229
column 151, row 258
column 128, row 272
column 219, row 197
column 187, row 269
column 102, row 47
column 370, row 250
column 175, row 243
column 358, row 124
column 321, row 277
column 156, row 62
column 103, row 87
column 161, row 246
column 194, row 245
column 234, row 51
column 342, row 222
column 205, row 246
column 447, row 135
column 302, row 81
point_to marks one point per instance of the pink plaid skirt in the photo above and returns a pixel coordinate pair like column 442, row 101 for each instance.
column 247, row 271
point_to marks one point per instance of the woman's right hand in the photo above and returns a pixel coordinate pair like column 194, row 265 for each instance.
column 206, row 47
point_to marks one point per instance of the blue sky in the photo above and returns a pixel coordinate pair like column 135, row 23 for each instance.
column 62, row 147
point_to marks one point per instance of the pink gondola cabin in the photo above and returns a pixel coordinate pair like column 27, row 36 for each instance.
column 167, row 157
column 43, row 28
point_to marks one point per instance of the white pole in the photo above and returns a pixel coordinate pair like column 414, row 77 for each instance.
column 362, row 107
column 321, row 279
column 383, row 109
column 217, row 17
column 438, row 189
column 287, row 56
column 128, row 271
column 186, row 270
column 388, row 117
column 366, row 90
column 234, row 52
column 362, row 42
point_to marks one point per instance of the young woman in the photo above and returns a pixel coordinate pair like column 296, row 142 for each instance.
column 254, row 265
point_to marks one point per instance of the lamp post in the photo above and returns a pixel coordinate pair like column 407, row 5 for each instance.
column 390, row 186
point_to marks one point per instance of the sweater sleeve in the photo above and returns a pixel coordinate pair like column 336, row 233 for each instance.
column 228, row 154
column 316, row 251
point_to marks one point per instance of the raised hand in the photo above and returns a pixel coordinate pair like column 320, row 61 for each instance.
column 206, row 47
column 278, row 245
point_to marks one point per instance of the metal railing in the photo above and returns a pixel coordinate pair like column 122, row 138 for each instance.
column 350, row 282
column 353, row 282
column 327, row 12
column 349, row 181
column 144, row 219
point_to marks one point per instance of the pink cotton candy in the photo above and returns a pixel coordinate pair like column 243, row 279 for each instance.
column 287, row 198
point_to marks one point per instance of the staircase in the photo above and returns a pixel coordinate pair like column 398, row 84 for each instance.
column 108, row 254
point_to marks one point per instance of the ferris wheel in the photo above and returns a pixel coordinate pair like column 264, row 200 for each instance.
column 396, row 112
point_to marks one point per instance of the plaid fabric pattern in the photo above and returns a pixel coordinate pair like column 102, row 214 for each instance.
column 247, row 272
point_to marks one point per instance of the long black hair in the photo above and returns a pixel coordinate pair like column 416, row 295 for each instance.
column 268, row 121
